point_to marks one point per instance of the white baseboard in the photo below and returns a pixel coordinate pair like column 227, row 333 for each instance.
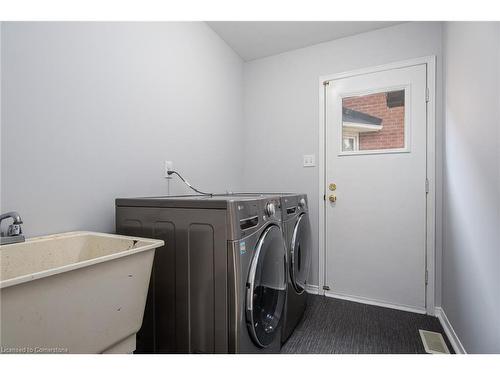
column 450, row 332
column 375, row 303
column 312, row 289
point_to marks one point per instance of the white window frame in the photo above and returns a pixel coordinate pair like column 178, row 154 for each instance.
column 406, row 123
column 352, row 135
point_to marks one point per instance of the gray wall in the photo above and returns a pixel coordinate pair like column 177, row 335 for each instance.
column 90, row 112
column 281, row 107
column 471, row 255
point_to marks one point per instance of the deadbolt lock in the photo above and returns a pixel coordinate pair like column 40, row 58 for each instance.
column 332, row 187
column 332, row 198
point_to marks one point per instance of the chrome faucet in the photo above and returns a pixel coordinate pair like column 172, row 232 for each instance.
column 14, row 232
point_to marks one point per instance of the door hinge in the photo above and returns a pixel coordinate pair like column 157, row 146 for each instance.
column 326, row 287
column 427, row 95
column 426, row 277
column 326, row 83
column 426, row 186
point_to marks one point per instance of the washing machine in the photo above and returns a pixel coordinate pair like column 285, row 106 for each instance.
column 219, row 286
column 258, row 300
column 297, row 237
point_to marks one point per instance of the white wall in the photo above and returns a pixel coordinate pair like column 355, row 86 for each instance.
column 281, row 107
column 471, row 255
column 90, row 111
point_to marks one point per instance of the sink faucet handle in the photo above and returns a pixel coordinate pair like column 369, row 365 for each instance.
column 14, row 215
column 14, row 230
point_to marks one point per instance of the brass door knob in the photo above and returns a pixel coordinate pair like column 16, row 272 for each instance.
column 332, row 198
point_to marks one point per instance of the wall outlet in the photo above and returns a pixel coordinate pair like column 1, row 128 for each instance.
column 309, row 161
column 169, row 166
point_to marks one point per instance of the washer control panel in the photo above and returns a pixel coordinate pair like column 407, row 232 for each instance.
column 251, row 214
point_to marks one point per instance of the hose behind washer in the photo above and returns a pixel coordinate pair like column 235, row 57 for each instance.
column 188, row 184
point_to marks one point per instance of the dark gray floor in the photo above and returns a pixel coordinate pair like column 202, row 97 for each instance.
column 337, row 326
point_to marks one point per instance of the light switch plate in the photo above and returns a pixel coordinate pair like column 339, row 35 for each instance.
column 309, row 161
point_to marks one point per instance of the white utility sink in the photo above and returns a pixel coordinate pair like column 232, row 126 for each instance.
column 78, row 292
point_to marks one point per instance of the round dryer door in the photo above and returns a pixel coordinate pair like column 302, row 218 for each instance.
column 266, row 288
column 300, row 253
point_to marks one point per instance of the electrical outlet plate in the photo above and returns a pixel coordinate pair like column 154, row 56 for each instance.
column 169, row 166
column 309, row 161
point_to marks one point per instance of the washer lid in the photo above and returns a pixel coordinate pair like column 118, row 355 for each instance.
column 300, row 253
column 266, row 287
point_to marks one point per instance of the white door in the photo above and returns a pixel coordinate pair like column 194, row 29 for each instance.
column 376, row 187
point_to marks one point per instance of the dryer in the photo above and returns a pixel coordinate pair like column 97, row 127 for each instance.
column 219, row 286
column 297, row 233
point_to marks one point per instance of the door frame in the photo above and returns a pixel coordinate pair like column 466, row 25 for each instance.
column 430, row 253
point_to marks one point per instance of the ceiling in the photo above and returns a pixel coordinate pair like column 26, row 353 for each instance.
column 256, row 39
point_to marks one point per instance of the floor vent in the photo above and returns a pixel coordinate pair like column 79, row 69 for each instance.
column 433, row 342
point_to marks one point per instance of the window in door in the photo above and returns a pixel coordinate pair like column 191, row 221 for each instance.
column 374, row 122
